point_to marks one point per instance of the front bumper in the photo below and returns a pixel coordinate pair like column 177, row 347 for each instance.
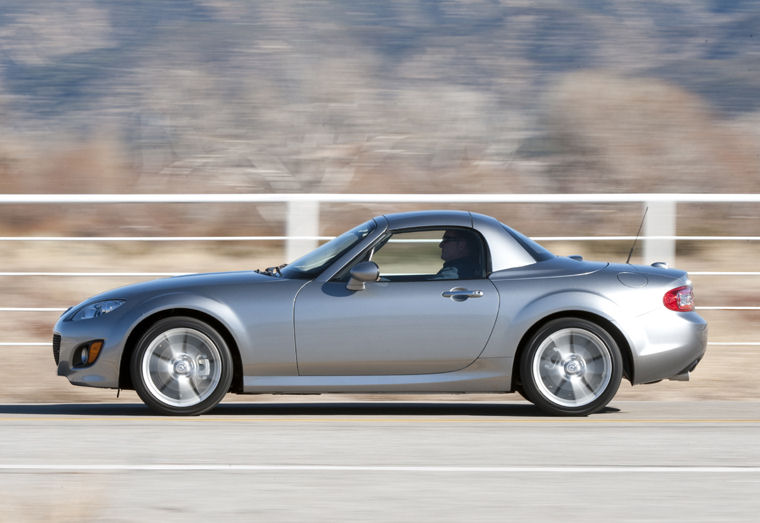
column 69, row 336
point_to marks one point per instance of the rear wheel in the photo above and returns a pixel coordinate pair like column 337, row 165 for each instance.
column 572, row 367
column 181, row 366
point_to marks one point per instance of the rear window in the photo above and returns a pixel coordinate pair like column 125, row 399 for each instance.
column 539, row 253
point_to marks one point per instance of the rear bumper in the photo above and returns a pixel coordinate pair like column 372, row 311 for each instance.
column 674, row 345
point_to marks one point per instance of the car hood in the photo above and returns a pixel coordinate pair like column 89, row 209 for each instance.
column 187, row 282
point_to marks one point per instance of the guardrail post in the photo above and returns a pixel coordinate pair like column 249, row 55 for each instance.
column 661, row 221
column 302, row 220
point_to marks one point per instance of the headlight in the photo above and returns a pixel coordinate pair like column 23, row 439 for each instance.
column 96, row 310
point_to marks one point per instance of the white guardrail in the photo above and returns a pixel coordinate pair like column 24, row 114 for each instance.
column 302, row 226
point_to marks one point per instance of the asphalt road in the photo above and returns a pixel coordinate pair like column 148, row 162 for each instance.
column 381, row 461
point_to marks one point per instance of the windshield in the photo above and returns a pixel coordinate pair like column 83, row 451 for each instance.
column 311, row 264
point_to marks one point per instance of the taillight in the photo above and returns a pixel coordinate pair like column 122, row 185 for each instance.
column 680, row 299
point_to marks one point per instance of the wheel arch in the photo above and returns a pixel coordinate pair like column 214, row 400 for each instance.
column 137, row 332
column 611, row 328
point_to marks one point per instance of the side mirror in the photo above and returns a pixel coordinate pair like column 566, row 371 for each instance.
column 362, row 273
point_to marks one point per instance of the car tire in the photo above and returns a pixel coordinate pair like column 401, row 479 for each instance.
column 181, row 367
column 571, row 367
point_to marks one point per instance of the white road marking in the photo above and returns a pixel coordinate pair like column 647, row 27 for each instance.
column 201, row 467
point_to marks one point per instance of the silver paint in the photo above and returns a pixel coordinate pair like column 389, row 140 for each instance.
column 422, row 336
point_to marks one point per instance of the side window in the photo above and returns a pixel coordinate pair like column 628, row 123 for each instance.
column 438, row 254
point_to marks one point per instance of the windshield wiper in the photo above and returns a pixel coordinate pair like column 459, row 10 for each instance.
column 272, row 271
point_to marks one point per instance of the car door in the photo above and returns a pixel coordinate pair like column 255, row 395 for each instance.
column 418, row 319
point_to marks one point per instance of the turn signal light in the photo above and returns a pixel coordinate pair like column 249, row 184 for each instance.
column 86, row 354
column 94, row 351
column 680, row 299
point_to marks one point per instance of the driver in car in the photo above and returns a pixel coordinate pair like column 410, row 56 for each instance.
column 459, row 253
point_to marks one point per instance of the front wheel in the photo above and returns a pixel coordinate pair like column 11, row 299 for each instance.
column 571, row 367
column 181, row 366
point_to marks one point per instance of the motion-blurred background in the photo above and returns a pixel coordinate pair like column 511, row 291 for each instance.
column 223, row 96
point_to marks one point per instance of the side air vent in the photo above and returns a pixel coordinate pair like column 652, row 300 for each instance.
column 57, row 348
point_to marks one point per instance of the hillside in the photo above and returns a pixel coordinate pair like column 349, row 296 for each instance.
column 364, row 96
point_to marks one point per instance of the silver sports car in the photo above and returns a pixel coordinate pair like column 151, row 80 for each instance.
column 439, row 301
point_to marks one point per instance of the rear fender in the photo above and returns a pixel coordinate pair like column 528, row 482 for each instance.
column 512, row 326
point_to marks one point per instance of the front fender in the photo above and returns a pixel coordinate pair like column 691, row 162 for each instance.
column 260, row 321
column 186, row 300
column 130, row 324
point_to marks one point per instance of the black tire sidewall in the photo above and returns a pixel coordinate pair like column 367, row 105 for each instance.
column 533, row 393
column 156, row 330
